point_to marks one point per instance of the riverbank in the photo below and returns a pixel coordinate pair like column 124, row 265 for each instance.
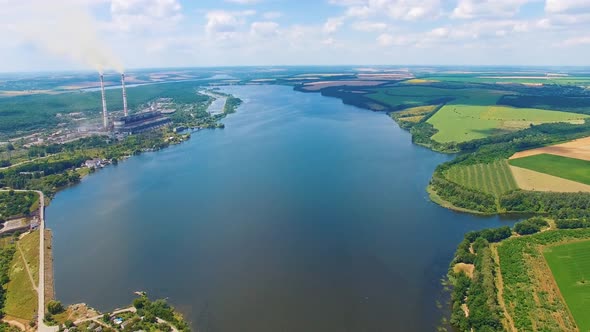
column 216, row 253
column 434, row 197
column 142, row 315
column 46, row 290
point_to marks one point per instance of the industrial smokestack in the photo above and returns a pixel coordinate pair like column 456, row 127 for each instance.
column 124, row 94
column 105, row 116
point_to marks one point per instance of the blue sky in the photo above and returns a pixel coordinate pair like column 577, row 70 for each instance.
column 80, row 34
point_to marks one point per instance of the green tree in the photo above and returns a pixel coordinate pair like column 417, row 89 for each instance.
column 141, row 302
column 54, row 307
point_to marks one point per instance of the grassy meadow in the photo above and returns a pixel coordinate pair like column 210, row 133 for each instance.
column 529, row 291
column 511, row 78
column 568, row 168
column 418, row 95
column 468, row 114
column 414, row 114
column 570, row 264
column 461, row 123
column 21, row 297
column 494, row 178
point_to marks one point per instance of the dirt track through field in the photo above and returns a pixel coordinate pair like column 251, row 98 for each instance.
column 509, row 322
column 531, row 180
column 578, row 149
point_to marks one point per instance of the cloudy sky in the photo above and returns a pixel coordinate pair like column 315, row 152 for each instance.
column 65, row 34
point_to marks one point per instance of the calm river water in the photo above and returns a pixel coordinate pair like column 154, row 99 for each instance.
column 303, row 214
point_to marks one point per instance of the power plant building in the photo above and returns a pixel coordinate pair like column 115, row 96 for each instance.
column 130, row 124
column 140, row 122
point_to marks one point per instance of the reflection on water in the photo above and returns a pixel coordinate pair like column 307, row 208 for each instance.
column 304, row 214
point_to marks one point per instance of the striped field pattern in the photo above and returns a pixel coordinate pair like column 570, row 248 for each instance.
column 494, row 178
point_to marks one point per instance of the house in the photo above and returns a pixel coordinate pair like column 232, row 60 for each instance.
column 93, row 163
column 34, row 224
column 91, row 326
column 126, row 323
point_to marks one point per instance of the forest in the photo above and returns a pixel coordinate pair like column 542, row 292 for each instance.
column 16, row 204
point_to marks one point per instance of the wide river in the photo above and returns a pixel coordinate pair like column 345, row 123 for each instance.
column 303, row 214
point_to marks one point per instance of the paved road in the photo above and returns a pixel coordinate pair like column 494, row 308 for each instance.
column 41, row 327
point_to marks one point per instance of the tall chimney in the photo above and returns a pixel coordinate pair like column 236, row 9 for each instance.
column 105, row 116
column 124, row 95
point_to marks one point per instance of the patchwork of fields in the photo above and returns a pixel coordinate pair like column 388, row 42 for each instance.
column 578, row 149
column 461, row 123
column 494, row 178
column 568, row 168
column 469, row 113
column 416, row 95
column 522, row 79
column 535, row 181
column 570, row 264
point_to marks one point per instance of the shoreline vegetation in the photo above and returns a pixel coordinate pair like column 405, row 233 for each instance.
column 54, row 167
column 490, row 266
column 493, row 189
column 143, row 314
column 500, row 279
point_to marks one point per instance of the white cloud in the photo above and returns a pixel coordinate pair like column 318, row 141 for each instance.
column 386, row 40
column 567, row 6
column 369, row 26
column 329, row 41
column 332, row 25
column 576, row 41
column 142, row 14
column 408, row 10
column 272, row 15
column 264, row 29
column 347, row 2
column 244, row 2
column 439, row 32
column 221, row 22
column 468, row 9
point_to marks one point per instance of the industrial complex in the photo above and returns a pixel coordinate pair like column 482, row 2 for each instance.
column 130, row 124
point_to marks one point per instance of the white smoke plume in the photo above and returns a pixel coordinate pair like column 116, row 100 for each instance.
column 64, row 28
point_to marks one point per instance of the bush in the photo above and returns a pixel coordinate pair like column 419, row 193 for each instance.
column 490, row 234
column 572, row 223
column 141, row 302
column 54, row 307
column 525, row 228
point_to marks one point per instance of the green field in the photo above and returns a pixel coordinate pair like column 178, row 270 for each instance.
column 494, row 178
column 511, row 78
column 21, row 297
column 416, row 95
column 414, row 114
column 570, row 264
column 461, row 123
column 563, row 167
